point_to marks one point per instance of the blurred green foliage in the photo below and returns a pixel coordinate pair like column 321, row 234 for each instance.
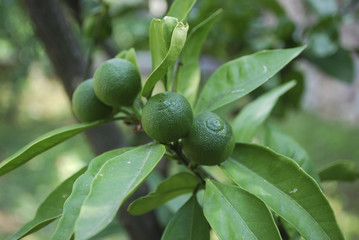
column 18, row 50
column 246, row 27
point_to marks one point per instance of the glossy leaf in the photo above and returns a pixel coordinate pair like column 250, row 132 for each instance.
column 172, row 187
column 188, row 223
column 180, row 9
column 178, row 40
column 169, row 24
column 340, row 171
column 233, row 212
column 285, row 188
column 112, row 185
column 129, row 55
column 155, row 179
column 283, row 144
column 241, row 76
column 158, row 46
column 166, row 211
column 81, row 189
column 50, row 209
column 188, row 73
column 252, row 116
column 162, row 212
column 160, row 36
column 43, row 143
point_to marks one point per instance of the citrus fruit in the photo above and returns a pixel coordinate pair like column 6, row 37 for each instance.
column 117, row 82
column 167, row 117
column 86, row 106
column 210, row 140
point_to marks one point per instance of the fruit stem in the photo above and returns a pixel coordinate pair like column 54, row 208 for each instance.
column 126, row 110
column 170, row 156
column 131, row 116
column 206, row 174
column 196, row 169
column 126, row 119
column 120, row 118
column 136, row 112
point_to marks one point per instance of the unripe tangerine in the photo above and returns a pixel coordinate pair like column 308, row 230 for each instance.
column 117, row 82
column 86, row 106
column 210, row 140
column 167, row 117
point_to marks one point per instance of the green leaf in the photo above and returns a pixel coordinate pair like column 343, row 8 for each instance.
column 283, row 144
column 112, row 185
column 324, row 7
column 285, row 188
column 158, row 46
column 177, row 42
column 291, row 99
column 340, row 171
column 180, row 9
column 50, row 209
column 81, row 189
column 169, row 24
column 233, row 212
column 252, row 116
column 285, row 28
column 188, row 223
column 241, row 76
column 129, row 55
column 43, row 143
column 272, row 5
column 160, row 36
column 170, row 188
column 323, row 37
column 161, row 32
column 322, row 45
column 339, row 65
column 166, row 211
column 188, row 73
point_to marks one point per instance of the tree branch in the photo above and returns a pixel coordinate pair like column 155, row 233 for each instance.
column 69, row 62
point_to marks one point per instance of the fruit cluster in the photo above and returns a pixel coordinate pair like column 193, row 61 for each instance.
column 207, row 139
column 167, row 117
column 116, row 83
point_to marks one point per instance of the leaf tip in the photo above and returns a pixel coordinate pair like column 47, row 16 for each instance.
column 302, row 48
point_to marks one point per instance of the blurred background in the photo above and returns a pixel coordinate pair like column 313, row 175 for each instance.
column 321, row 112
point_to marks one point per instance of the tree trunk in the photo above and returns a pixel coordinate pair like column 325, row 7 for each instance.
column 69, row 62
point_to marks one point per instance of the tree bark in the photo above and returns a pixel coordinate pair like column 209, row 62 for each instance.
column 68, row 59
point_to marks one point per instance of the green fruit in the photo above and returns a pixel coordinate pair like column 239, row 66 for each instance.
column 167, row 117
column 86, row 106
column 210, row 140
column 117, row 82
